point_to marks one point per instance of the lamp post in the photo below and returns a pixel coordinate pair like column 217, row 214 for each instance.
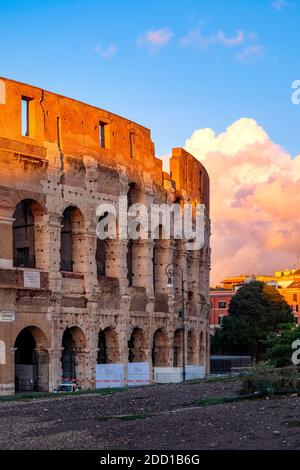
column 171, row 272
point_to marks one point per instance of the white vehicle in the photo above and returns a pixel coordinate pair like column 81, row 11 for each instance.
column 67, row 387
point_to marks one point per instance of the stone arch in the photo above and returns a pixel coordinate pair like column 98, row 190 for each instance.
column 177, row 348
column 28, row 234
column 73, row 354
column 31, row 360
column 137, row 347
column 72, row 240
column 108, row 347
column 2, row 353
column 160, row 348
column 192, row 348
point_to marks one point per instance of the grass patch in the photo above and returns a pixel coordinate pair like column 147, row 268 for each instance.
column 209, row 401
column 28, row 396
column 226, row 378
column 293, row 424
column 134, row 417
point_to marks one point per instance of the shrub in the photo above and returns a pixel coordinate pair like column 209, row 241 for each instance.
column 269, row 380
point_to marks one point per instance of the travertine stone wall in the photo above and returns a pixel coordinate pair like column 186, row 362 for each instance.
column 61, row 165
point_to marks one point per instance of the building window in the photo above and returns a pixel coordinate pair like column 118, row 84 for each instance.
column 25, row 116
column 222, row 304
column 102, row 132
column 221, row 318
column 132, row 144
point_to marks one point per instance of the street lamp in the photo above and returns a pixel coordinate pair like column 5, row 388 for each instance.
column 171, row 272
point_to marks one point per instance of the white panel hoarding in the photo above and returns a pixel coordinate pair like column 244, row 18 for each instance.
column 109, row 375
column 138, row 374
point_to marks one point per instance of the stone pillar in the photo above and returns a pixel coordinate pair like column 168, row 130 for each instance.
column 6, row 238
column 55, row 350
column 89, row 267
column 78, row 250
column 163, row 257
column 7, row 372
column 116, row 262
column 51, row 254
column 143, row 264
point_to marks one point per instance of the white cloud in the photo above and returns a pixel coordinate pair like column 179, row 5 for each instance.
column 196, row 37
column 106, row 53
column 230, row 41
column 250, row 54
column 255, row 199
column 154, row 40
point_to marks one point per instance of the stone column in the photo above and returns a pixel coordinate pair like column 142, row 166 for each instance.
column 51, row 254
column 6, row 238
column 89, row 267
column 143, row 264
column 116, row 262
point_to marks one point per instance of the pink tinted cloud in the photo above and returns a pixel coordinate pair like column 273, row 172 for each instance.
column 255, row 199
column 154, row 40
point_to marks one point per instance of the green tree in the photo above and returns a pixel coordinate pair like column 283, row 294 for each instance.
column 279, row 345
column 254, row 312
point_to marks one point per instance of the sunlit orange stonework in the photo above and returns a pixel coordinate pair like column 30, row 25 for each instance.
column 68, row 301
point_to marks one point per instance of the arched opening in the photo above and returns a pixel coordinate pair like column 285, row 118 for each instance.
column 160, row 349
column 201, row 349
column 27, row 235
column 101, row 257
column 137, row 346
column 72, row 243
column 101, row 252
column 108, row 347
column 133, row 197
column 73, row 344
column 177, row 348
column 31, row 361
column 129, row 262
column 191, row 348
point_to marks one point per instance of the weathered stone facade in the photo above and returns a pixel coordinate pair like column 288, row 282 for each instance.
column 66, row 300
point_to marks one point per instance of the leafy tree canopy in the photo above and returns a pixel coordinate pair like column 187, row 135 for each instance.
column 254, row 312
column 279, row 345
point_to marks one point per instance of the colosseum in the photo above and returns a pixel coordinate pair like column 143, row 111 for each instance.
column 73, row 306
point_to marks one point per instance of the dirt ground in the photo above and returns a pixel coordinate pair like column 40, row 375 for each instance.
column 159, row 417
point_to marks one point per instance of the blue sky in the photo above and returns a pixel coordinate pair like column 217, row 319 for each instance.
column 173, row 66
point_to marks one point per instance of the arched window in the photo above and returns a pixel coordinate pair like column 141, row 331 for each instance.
column 31, row 360
column 73, row 343
column 137, row 346
column 160, row 348
column 133, row 197
column 27, row 236
column 72, row 242
column 108, row 347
